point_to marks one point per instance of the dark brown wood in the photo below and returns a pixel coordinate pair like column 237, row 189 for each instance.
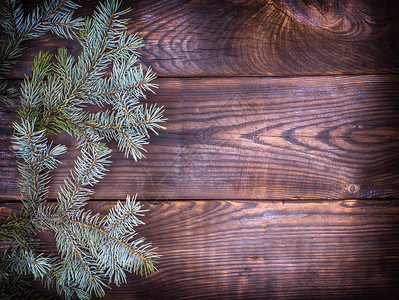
column 257, row 37
column 267, row 250
column 236, row 136
column 256, row 138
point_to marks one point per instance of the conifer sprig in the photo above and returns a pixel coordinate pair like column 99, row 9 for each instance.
column 38, row 158
column 93, row 251
column 54, row 15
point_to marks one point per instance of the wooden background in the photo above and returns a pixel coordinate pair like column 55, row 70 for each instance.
column 278, row 174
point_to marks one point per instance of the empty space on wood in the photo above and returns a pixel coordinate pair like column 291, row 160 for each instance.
column 257, row 37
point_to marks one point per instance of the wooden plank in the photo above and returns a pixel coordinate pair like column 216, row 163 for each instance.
column 255, row 138
column 274, row 250
column 274, row 38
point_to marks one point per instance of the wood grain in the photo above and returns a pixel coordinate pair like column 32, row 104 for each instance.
column 255, row 38
column 258, row 138
column 274, row 250
column 237, row 136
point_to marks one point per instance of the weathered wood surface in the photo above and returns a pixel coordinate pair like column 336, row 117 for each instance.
column 257, row 37
column 247, row 136
column 255, row 138
column 267, row 250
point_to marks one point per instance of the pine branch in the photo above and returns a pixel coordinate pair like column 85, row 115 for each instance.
column 88, row 170
column 55, row 16
column 55, row 99
column 18, row 287
column 104, row 245
column 16, row 229
column 77, row 264
column 38, row 159
column 115, row 249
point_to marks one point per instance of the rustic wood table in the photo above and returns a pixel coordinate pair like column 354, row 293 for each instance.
column 277, row 176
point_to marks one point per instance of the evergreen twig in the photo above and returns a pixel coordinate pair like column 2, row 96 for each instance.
column 93, row 252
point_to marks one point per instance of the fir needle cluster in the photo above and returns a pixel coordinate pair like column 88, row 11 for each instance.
column 59, row 96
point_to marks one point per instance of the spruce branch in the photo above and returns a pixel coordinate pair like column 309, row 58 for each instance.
column 18, row 287
column 89, row 168
column 54, row 15
column 38, row 158
column 59, row 96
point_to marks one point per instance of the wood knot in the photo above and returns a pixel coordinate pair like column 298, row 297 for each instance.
column 353, row 189
column 317, row 13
